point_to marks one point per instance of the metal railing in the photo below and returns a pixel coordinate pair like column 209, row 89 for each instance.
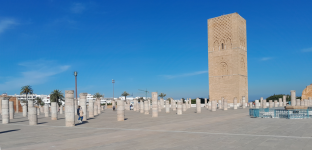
column 280, row 113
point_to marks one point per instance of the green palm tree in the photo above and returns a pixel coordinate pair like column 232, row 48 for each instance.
column 39, row 101
column 141, row 99
column 57, row 96
column 26, row 90
column 162, row 95
column 97, row 95
column 168, row 99
column 125, row 94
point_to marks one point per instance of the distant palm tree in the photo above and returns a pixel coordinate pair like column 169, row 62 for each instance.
column 141, row 99
column 168, row 99
column 26, row 90
column 125, row 94
column 57, row 96
column 97, row 95
column 39, row 101
column 162, row 95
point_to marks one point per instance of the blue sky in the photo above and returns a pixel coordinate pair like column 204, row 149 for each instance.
column 160, row 45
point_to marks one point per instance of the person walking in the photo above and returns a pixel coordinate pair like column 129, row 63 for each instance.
column 80, row 114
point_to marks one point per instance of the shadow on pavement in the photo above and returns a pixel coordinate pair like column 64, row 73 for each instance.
column 83, row 122
column 9, row 131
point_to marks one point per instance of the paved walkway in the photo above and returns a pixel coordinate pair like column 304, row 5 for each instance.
column 231, row 129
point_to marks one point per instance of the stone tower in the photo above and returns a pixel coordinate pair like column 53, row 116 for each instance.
column 227, row 58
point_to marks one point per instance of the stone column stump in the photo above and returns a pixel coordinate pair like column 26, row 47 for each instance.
column 154, row 104
column 5, row 110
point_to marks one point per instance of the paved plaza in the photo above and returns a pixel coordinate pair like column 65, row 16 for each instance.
column 231, row 129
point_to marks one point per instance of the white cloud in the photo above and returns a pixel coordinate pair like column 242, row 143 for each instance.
column 307, row 50
column 77, row 8
column 184, row 74
column 6, row 23
column 38, row 72
column 266, row 58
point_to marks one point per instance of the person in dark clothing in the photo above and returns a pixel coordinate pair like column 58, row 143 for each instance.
column 78, row 109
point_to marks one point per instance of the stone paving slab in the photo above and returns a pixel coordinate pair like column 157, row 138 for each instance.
column 231, row 129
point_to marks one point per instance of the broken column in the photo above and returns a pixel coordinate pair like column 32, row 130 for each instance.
column 244, row 102
column 275, row 103
column 141, row 107
column 24, row 110
column 209, row 105
column 271, row 104
column 225, row 105
column 161, row 103
column 154, row 104
column 214, row 105
column 293, row 98
column 11, row 109
column 280, row 102
column 146, row 110
column 134, row 104
column 264, row 104
column 99, row 106
column 17, row 102
column 159, row 107
column 53, row 111
column 257, row 103
column 70, row 108
column 149, row 104
column 173, row 104
column 179, row 107
column 5, row 110
column 46, row 110
column 302, row 103
column 167, row 106
column 235, row 103
column 198, row 105
column 206, row 103
column 298, row 102
column 184, row 107
column 95, row 112
column 33, row 117
column 120, row 110
column 91, row 108
column 284, row 100
column 83, row 105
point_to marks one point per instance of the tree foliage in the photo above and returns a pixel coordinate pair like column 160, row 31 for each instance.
column 141, row 99
column 26, row 90
column 276, row 97
column 125, row 94
column 162, row 95
column 168, row 99
column 57, row 96
column 97, row 95
column 38, row 101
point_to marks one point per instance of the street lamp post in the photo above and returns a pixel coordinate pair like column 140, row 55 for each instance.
column 113, row 81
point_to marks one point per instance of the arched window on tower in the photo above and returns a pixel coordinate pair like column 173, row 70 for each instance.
column 222, row 46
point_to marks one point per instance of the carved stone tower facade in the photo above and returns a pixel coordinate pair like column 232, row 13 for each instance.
column 227, row 58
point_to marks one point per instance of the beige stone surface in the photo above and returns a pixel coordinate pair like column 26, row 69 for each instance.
column 227, row 57
column 307, row 92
